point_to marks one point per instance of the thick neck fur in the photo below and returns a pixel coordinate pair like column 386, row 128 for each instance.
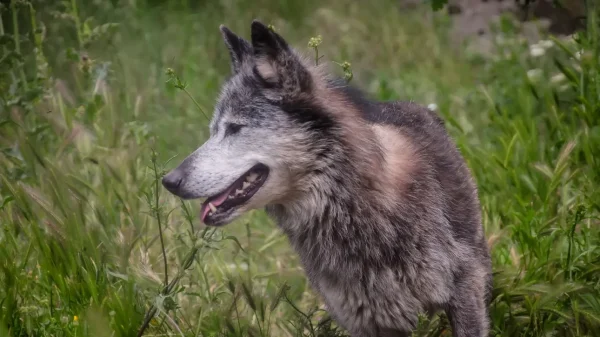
column 347, row 201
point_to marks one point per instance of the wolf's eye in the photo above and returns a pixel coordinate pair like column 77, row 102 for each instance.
column 233, row 128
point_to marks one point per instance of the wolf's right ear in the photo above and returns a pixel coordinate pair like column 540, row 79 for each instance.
column 239, row 49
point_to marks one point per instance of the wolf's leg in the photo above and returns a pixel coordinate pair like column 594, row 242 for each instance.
column 467, row 310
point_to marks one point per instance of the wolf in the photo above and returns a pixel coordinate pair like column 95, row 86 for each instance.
column 374, row 196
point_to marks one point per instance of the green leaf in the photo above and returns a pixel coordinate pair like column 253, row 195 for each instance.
column 249, row 297
column 436, row 5
column 234, row 239
column 562, row 46
column 6, row 201
column 72, row 54
column 7, row 41
column 568, row 72
column 10, row 59
column 117, row 275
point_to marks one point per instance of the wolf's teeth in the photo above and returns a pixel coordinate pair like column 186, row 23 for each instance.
column 251, row 177
column 238, row 192
column 212, row 207
column 210, row 213
column 245, row 185
column 230, row 196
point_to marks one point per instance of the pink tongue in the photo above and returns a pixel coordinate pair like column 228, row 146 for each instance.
column 216, row 202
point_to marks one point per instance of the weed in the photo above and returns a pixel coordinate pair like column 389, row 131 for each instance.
column 91, row 245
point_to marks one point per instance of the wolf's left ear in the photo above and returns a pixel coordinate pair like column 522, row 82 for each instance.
column 276, row 62
column 239, row 49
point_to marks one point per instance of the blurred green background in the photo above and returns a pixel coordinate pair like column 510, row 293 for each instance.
column 89, row 122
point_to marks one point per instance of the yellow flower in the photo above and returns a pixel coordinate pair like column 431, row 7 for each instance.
column 75, row 318
column 314, row 42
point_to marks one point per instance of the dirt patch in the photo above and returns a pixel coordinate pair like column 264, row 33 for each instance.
column 472, row 19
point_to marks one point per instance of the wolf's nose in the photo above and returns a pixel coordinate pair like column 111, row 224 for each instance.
column 172, row 181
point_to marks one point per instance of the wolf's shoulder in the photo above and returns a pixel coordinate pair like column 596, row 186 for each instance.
column 403, row 114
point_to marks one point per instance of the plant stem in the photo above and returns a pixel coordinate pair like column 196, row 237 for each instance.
column 147, row 320
column 157, row 212
column 37, row 43
column 17, row 40
column 195, row 102
column 168, row 287
column 75, row 14
column 188, row 217
column 305, row 316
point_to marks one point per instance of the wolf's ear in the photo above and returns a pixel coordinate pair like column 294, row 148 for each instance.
column 266, row 42
column 239, row 49
column 276, row 62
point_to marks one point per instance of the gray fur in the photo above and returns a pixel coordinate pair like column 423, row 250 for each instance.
column 375, row 197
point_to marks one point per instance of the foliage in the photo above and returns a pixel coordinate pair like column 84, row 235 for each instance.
column 91, row 245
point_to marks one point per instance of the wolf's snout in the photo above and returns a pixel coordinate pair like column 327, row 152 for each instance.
column 172, row 181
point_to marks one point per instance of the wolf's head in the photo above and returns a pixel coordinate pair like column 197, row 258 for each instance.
column 267, row 135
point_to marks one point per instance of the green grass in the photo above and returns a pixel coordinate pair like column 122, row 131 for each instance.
column 88, row 232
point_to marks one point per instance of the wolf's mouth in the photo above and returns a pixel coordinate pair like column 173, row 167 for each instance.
column 236, row 194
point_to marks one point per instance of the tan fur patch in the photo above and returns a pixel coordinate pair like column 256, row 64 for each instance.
column 399, row 157
column 266, row 70
column 383, row 154
column 357, row 133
